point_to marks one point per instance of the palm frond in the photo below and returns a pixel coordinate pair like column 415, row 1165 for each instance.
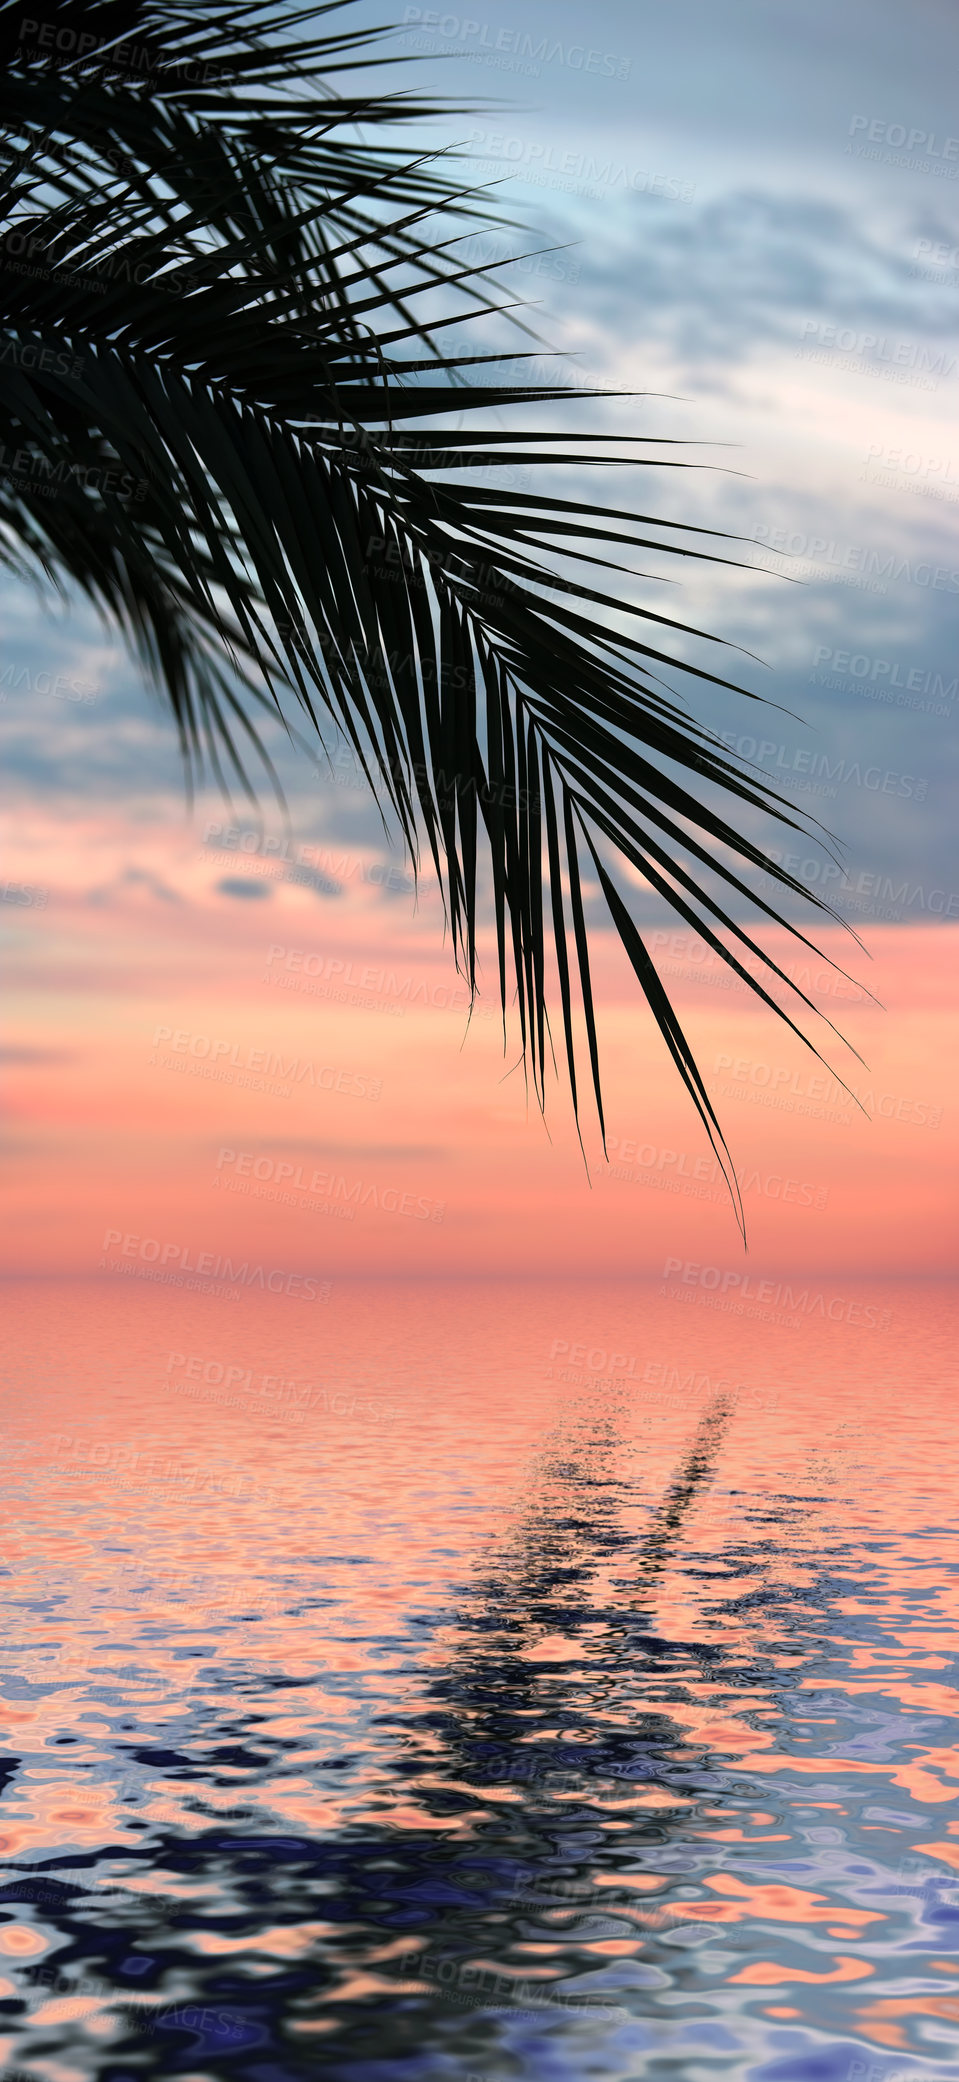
column 223, row 381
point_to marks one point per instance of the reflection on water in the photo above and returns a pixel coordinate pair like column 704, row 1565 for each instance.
column 442, row 1709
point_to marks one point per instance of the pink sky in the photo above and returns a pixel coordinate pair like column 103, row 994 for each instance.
column 454, row 1174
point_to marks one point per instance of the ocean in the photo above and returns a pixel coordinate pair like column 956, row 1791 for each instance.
column 447, row 1681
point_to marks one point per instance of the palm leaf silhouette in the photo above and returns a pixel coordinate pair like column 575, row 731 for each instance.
column 225, row 388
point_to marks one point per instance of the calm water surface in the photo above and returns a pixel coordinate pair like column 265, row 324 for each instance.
column 478, row 1681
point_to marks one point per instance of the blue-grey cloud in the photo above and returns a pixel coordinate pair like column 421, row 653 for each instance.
column 134, row 878
column 244, row 888
column 314, row 878
column 306, row 1148
column 716, row 284
column 22, row 1054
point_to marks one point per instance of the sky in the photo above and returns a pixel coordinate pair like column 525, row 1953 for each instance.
column 230, row 1038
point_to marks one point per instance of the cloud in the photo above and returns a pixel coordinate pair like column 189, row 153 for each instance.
column 276, row 1145
column 314, row 878
column 715, row 284
column 134, row 878
column 245, row 888
column 15, row 1052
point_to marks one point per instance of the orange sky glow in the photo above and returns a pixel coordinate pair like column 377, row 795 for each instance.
column 291, row 1077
